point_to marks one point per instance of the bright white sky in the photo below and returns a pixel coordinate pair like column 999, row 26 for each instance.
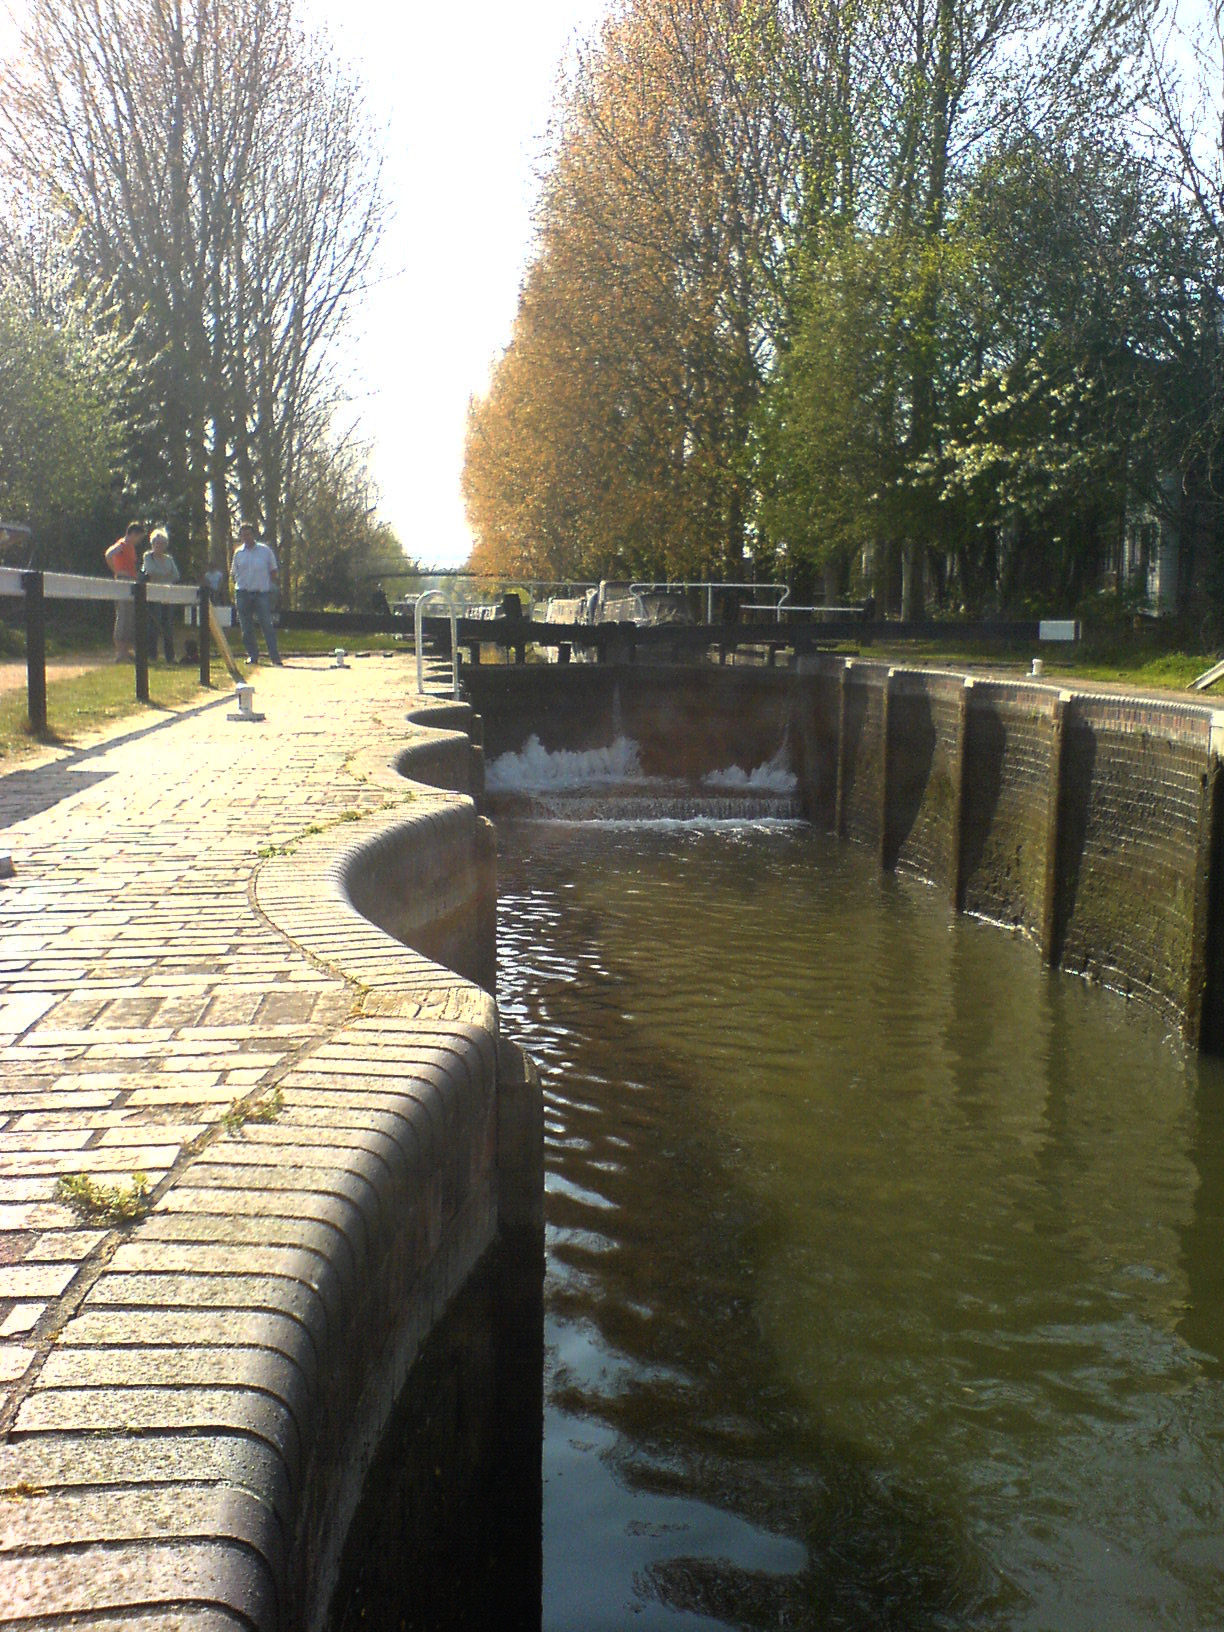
column 463, row 93
column 466, row 90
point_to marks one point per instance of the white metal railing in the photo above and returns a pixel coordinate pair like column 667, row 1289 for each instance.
column 418, row 631
column 776, row 594
column 855, row 611
column 36, row 588
column 73, row 586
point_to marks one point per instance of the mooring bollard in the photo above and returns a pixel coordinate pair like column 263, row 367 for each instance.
column 339, row 655
column 244, row 694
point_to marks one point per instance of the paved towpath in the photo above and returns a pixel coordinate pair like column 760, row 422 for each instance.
column 142, row 994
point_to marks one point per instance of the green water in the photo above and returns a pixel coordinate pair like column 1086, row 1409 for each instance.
column 885, row 1280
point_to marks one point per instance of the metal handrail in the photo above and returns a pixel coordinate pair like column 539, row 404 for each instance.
column 853, row 611
column 711, row 584
column 73, row 586
column 37, row 587
column 418, row 633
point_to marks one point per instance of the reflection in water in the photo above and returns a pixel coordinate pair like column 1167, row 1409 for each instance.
column 882, row 1264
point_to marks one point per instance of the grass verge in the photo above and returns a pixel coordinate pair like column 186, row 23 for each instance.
column 306, row 642
column 87, row 701
column 1115, row 662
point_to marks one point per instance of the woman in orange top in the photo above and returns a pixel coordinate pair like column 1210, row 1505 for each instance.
column 124, row 562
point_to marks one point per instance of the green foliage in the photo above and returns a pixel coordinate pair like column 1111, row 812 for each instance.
column 343, row 553
column 105, row 1203
column 866, row 285
column 833, row 420
column 997, row 391
column 264, row 1109
column 1053, row 419
column 61, row 431
column 88, row 701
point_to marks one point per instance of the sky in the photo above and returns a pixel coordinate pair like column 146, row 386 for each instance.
column 464, row 93
column 460, row 95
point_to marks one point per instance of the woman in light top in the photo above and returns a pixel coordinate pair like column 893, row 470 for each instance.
column 159, row 567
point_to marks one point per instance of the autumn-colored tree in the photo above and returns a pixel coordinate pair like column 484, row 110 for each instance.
column 648, row 319
column 575, row 462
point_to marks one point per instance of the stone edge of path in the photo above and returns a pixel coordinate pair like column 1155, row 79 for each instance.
column 191, row 1451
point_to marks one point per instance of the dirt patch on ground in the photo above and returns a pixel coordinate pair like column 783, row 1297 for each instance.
column 13, row 670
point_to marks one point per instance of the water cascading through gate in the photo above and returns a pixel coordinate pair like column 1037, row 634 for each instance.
column 608, row 784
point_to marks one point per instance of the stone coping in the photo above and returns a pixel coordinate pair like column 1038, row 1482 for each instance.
column 1182, row 718
column 190, row 1399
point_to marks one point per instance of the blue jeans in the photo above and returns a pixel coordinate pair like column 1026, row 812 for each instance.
column 256, row 605
column 161, row 624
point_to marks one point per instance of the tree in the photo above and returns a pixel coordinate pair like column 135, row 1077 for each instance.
column 831, row 452
column 575, row 460
column 64, row 373
column 647, row 322
column 1070, row 327
column 343, row 553
column 305, row 242
column 1184, row 108
column 211, row 163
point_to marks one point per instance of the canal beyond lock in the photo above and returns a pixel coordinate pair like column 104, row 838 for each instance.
column 885, row 1268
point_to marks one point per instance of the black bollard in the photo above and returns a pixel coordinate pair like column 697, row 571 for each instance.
column 36, row 650
column 140, row 598
column 203, row 603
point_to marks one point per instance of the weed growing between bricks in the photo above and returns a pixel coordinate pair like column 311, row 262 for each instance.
column 265, row 1109
column 267, row 851
column 109, row 1203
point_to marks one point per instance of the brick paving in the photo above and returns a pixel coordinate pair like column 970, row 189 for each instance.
column 144, row 991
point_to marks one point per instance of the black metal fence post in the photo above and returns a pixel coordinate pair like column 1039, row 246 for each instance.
column 140, row 598
column 205, row 631
column 36, row 650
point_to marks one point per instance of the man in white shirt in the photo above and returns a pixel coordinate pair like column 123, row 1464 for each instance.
column 254, row 570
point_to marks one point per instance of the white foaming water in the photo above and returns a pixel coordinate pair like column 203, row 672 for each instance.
column 737, row 823
column 608, row 786
column 534, row 769
column 774, row 776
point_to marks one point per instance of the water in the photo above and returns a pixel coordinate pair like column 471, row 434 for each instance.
column 608, row 785
column 884, row 1267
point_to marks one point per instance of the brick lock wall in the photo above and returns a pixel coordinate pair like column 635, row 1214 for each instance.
column 862, row 751
column 923, row 774
column 813, row 728
column 1007, row 780
column 1081, row 820
column 1128, row 847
